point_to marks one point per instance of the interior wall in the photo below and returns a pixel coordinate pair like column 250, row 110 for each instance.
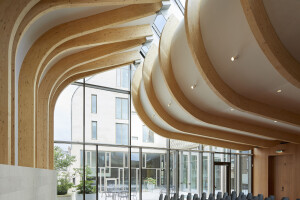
column 285, row 170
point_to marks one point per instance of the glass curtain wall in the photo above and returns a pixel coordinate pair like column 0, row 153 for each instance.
column 104, row 151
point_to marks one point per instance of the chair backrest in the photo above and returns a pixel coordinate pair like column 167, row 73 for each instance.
column 239, row 197
column 219, row 195
column 189, row 196
column 225, row 195
column 260, row 197
column 228, row 198
column 255, row 197
column 175, row 197
column 211, row 197
column 249, row 196
column 243, row 197
column 166, row 197
column 233, row 194
column 285, row 198
column 161, row 197
column 195, row 197
column 203, row 197
column 182, row 197
column 272, row 197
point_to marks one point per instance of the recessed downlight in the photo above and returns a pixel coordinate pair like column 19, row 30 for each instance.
column 233, row 58
column 275, row 121
column 169, row 104
column 278, row 91
column 231, row 109
column 193, row 86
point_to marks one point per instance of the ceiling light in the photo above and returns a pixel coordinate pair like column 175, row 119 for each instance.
column 231, row 109
column 275, row 121
column 193, row 86
column 278, row 91
column 169, row 104
column 233, row 58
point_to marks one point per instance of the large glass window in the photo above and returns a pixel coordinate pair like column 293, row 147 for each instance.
column 148, row 135
column 122, row 134
column 191, row 165
column 121, row 108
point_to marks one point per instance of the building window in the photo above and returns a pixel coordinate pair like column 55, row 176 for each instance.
column 134, row 138
column 122, row 134
column 94, row 103
column 121, row 108
column 148, row 135
column 123, row 77
column 94, row 130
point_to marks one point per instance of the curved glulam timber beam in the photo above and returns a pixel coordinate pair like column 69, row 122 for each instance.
column 43, row 47
column 106, row 36
column 12, row 12
column 188, row 106
column 168, row 134
column 215, row 82
column 56, row 73
column 148, row 67
column 269, row 42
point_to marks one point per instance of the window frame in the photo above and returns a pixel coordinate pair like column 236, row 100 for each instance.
column 96, row 130
column 94, row 95
column 121, row 108
column 148, row 133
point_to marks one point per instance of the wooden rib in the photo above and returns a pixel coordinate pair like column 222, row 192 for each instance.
column 215, row 82
column 12, row 11
column 53, row 102
column 49, row 84
column 186, row 104
column 105, row 36
column 41, row 49
column 189, row 128
column 168, row 134
column 269, row 42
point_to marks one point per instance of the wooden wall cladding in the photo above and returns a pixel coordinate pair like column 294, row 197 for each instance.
column 286, row 169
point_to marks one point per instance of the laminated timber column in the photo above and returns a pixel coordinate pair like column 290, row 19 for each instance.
column 11, row 14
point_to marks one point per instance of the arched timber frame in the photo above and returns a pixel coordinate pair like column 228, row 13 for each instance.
column 214, row 81
column 269, row 42
column 50, row 93
column 136, row 82
column 43, row 47
column 186, row 104
column 148, row 66
column 100, row 54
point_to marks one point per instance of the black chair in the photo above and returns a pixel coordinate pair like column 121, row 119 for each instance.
column 195, row 197
column 255, row 197
column 189, row 196
column 243, row 197
column 233, row 195
column 249, row 196
column 203, row 197
column 166, row 197
column 272, row 197
column 241, row 194
column 211, row 197
column 260, row 197
column 228, row 198
column 219, row 195
column 285, row 198
column 161, row 197
column 225, row 195
column 182, row 197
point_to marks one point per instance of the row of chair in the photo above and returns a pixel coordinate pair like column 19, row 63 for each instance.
column 225, row 196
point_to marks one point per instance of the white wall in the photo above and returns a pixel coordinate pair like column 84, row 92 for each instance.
column 27, row 183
